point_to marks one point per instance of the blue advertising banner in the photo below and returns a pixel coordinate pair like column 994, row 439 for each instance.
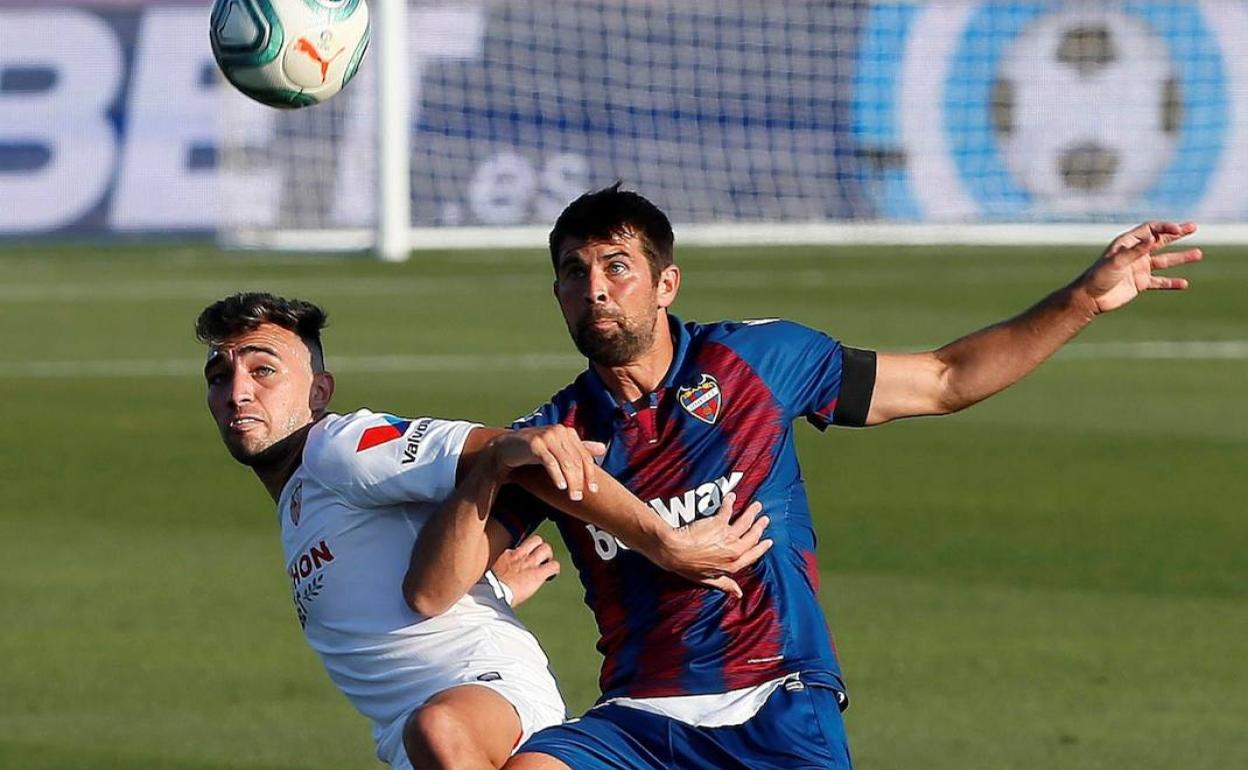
column 1044, row 111
column 113, row 118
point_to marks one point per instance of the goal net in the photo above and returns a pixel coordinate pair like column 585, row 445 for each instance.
column 762, row 120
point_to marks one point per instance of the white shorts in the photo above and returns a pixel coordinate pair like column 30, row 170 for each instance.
column 511, row 664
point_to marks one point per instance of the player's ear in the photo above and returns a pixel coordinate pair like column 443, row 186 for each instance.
column 669, row 285
column 322, row 392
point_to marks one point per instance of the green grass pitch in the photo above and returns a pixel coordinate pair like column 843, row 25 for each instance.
column 1055, row 578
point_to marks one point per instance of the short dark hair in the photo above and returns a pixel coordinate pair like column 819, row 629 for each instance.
column 610, row 213
column 243, row 312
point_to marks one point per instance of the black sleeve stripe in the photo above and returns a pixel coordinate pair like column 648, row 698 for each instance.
column 857, row 386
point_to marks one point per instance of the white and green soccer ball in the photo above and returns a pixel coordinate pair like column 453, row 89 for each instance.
column 289, row 53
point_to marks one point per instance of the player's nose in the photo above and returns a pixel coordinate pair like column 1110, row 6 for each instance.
column 241, row 391
column 596, row 287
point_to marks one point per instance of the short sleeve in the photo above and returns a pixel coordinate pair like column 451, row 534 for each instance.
column 812, row 375
column 546, row 414
column 380, row 459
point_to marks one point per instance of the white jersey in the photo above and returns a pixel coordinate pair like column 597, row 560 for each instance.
column 349, row 517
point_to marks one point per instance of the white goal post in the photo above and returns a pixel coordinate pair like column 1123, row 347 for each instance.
column 756, row 122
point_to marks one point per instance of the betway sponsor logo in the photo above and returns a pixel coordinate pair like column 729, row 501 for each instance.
column 702, row 500
column 699, row 502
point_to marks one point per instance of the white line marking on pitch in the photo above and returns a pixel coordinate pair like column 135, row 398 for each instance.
column 1224, row 350
column 191, row 367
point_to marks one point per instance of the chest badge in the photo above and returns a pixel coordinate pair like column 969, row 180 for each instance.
column 702, row 400
column 296, row 503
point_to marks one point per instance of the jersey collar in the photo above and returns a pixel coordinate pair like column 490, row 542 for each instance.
column 681, row 338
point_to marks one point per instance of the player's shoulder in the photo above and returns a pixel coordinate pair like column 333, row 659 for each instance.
column 354, row 453
column 557, row 409
column 756, row 333
column 337, row 440
column 360, row 446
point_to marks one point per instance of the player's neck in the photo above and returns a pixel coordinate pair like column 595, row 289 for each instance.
column 280, row 462
column 641, row 376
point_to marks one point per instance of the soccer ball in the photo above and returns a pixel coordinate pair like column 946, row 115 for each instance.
column 289, row 53
column 1087, row 110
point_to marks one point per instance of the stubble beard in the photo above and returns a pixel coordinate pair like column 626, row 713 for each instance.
column 615, row 345
column 272, row 454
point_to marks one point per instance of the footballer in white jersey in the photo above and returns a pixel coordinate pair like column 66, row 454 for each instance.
column 441, row 666
column 349, row 517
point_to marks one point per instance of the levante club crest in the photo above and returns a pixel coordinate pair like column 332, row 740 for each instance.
column 702, row 400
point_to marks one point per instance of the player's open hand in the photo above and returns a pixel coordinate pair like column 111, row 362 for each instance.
column 709, row 551
column 568, row 460
column 526, row 568
column 1129, row 264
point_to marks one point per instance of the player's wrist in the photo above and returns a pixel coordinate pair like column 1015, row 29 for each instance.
column 664, row 544
column 1079, row 301
column 493, row 463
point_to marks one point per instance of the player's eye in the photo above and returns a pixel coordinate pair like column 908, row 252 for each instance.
column 615, row 268
column 263, row 371
column 215, row 380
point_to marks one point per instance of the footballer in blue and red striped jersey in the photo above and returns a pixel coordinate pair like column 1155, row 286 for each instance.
column 693, row 679
column 691, row 413
column 721, row 421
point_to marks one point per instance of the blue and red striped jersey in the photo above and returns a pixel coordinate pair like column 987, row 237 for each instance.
column 720, row 421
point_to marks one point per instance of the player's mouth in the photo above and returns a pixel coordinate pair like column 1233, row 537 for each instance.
column 602, row 321
column 244, row 424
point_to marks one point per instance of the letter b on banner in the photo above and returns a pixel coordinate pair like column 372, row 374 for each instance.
column 60, row 120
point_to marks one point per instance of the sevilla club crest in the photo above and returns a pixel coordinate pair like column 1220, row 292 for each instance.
column 702, row 400
column 296, row 503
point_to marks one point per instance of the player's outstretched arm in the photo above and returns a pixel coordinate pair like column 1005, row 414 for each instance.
column 985, row 362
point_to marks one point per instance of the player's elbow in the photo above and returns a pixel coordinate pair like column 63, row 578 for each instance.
column 914, row 385
column 423, row 601
column 948, row 393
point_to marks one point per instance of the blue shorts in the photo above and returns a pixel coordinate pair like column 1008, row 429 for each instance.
column 798, row 727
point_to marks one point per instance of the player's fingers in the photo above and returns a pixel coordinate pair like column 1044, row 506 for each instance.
column 724, row 514
column 1172, row 258
column 752, row 555
column 1131, row 237
column 553, row 469
column 1169, row 232
column 746, row 520
column 1166, row 283
column 725, row 584
column 590, row 452
column 588, row 466
column 529, row 545
column 547, row 570
column 542, row 554
column 1143, row 248
column 755, row 533
column 568, row 459
column 577, row 461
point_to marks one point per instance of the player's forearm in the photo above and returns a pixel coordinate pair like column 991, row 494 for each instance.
column 991, row 359
column 612, row 508
column 453, row 551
